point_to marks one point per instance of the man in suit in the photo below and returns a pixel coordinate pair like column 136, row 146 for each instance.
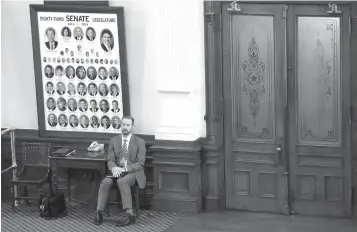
column 103, row 90
column 70, row 72
column 93, row 106
column 72, row 105
column 49, row 71
column 61, row 104
column 82, row 89
column 92, row 89
column 84, row 121
column 90, row 34
column 106, row 41
column 51, row 44
column 52, row 120
column 115, row 107
column 82, row 105
column 50, row 88
column 71, row 89
column 94, row 123
column 91, row 73
column 105, row 122
column 102, row 73
column 73, row 122
column 51, row 104
column 114, row 90
column 113, row 73
column 78, row 33
column 61, row 88
column 126, row 158
column 104, row 106
column 62, row 120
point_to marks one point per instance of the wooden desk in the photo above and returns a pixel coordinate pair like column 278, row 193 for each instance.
column 81, row 160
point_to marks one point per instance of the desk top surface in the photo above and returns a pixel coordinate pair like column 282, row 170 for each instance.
column 83, row 154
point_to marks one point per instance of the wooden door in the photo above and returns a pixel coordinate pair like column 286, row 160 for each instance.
column 319, row 111
column 254, row 115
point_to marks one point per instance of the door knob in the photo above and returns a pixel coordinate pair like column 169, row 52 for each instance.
column 278, row 149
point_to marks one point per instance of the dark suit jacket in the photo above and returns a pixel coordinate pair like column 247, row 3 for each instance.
column 78, row 37
column 95, row 110
column 115, row 112
column 51, row 92
column 73, row 124
column 105, row 48
column 136, row 159
column 48, row 44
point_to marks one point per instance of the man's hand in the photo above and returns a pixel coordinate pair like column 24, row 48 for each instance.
column 117, row 171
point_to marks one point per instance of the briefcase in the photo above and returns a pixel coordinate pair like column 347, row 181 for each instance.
column 52, row 207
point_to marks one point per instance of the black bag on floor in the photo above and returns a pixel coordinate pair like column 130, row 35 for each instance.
column 53, row 207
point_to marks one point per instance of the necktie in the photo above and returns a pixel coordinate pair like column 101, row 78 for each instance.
column 51, row 46
column 124, row 154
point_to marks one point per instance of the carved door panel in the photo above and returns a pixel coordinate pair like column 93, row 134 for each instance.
column 319, row 113
column 255, row 93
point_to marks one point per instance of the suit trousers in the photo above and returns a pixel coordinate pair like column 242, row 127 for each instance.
column 123, row 183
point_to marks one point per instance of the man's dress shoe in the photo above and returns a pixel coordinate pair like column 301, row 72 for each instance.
column 98, row 218
column 127, row 220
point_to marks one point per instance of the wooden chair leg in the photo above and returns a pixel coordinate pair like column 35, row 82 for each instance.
column 12, row 190
column 26, row 194
column 40, row 191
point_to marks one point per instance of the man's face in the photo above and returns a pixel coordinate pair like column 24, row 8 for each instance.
column 90, row 33
column 61, row 87
column 83, row 120
column 70, row 72
column 103, row 104
column 105, row 121
column 92, row 88
column 91, row 72
column 102, row 88
column 116, row 121
column 94, row 120
column 126, row 126
column 50, row 35
column 101, row 72
column 72, row 119
column 93, row 105
column 81, row 72
column 71, row 103
column 48, row 70
column 71, row 87
column 112, row 72
column 62, row 119
column 61, row 104
column 106, row 38
column 49, row 87
column 52, row 118
column 81, row 88
column 58, row 72
column 115, row 105
column 77, row 31
column 82, row 104
column 114, row 89
column 50, row 103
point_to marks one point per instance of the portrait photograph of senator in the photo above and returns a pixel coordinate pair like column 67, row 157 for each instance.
column 66, row 34
column 102, row 73
column 105, row 122
column 83, row 106
column 52, row 42
column 107, row 40
column 84, row 121
column 81, row 72
column 93, row 106
column 49, row 71
column 116, row 122
column 115, row 107
column 81, row 89
column 44, row 59
column 70, row 72
column 91, row 73
column 90, row 33
column 51, row 105
column 94, row 122
column 103, row 90
column 114, row 90
column 72, row 104
column 52, row 120
column 92, row 89
column 61, row 104
column 49, row 88
column 59, row 70
column 113, row 73
column 73, row 121
column 78, row 33
column 71, row 89
column 62, row 120
column 104, row 106
column 61, row 88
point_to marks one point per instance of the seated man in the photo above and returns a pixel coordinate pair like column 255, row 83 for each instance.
column 126, row 158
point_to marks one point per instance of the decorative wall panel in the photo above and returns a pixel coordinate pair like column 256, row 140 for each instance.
column 318, row 78
column 252, row 41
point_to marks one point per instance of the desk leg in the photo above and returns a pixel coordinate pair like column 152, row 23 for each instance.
column 68, row 185
column 54, row 176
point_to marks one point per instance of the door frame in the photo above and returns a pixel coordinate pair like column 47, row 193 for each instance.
column 214, row 87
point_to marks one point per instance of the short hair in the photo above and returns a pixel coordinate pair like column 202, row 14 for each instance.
column 49, row 83
column 106, row 31
column 115, row 101
column 93, row 101
column 50, row 29
column 129, row 117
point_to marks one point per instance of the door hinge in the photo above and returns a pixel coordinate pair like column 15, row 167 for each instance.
column 350, row 25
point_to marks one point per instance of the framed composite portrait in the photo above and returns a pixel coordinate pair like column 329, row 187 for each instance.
column 80, row 70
